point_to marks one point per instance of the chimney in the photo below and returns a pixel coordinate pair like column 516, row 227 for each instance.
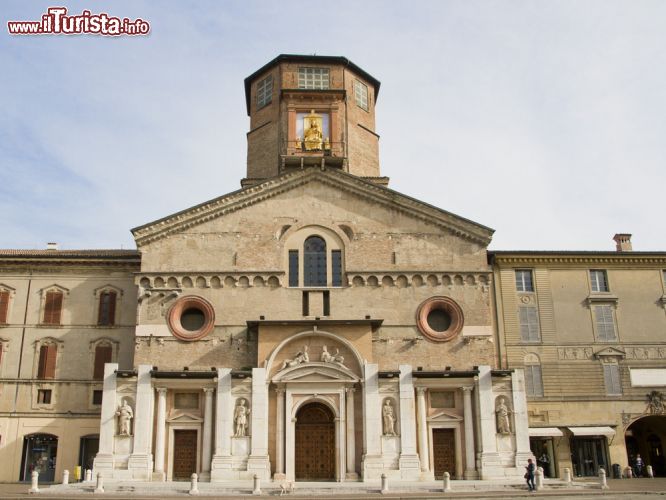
column 52, row 245
column 623, row 242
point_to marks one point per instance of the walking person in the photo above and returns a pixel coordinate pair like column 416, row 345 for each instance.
column 529, row 475
column 638, row 465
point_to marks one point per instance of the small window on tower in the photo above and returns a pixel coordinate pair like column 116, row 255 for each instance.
column 313, row 78
column 361, row 94
column 265, row 91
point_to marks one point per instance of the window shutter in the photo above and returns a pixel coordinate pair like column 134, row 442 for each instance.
column 605, row 324
column 50, row 365
column 112, row 308
column 529, row 324
column 52, row 308
column 106, row 313
column 4, row 306
column 47, row 361
column 103, row 354
column 537, row 380
column 529, row 383
column 612, row 379
column 293, row 267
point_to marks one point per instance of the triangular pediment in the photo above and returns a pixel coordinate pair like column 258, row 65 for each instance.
column 316, row 372
column 185, row 417
column 335, row 180
column 610, row 352
column 443, row 415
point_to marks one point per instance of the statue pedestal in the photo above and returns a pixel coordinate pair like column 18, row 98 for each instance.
column 240, row 446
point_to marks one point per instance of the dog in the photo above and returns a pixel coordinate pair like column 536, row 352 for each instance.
column 286, row 487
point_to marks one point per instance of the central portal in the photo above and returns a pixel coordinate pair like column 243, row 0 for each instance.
column 315, row 443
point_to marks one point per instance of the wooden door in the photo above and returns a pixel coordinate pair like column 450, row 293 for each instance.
column 184, row 454
column 444, row 452
column 315, row 444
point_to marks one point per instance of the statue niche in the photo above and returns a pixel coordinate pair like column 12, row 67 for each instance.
column 388, row 418
column 503, row 416
column 313, row 136
column 125, row 416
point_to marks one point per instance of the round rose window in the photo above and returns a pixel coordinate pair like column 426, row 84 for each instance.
column 191, row 318
column 439, row 318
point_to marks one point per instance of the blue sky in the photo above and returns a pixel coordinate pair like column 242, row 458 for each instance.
column 545, row 120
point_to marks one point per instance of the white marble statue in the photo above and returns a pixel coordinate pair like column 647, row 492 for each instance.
column 240, row 419
column 502, row 413
column 301, row 357
column 125, row 416
column 327, row 357
column 388, row 418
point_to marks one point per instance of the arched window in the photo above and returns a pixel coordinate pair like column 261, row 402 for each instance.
column 314, row 257
column 314, row 263
column 533, row 379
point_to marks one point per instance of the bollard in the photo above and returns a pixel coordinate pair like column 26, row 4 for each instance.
column 447, row 482
column 88, row 476
column 256, row 485
column 194, row 485
column 34, row 482
column 65, row 477
column 628, row 473
column 100, row 483
column 649, row 471
column 385, row 487
column 538, row 479
column 602, row 479
column 567, row 475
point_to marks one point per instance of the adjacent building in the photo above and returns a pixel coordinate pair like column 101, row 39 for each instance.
column 317, row 325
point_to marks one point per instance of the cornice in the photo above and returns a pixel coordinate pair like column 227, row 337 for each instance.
column 583, row 259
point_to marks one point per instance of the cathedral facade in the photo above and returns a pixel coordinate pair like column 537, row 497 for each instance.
column 314, row 325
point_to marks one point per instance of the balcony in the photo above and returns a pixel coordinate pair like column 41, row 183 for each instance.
column 298, row 155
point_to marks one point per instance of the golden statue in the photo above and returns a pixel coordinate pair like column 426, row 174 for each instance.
column 312, row 132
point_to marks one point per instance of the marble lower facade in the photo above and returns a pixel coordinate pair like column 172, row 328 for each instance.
column 296, row 419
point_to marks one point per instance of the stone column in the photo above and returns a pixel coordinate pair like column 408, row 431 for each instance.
column 351, row 434
column 424, row 452
column 259, row 463
column 372, row 423
column 470, row 468
column 520, row 418
column 490, row 465
column 207, row 439
column 160, row 432
column 279, row 436
column 221, row 466
column 141, row 460
column 107, row 431
column 409, row 460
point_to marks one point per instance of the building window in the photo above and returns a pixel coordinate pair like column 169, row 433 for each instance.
column 44, row 396
column 313, row 78
column 533, row 379
column 47, row 361
column 52, row 308
column 97, row 397
column 603, row 315
column 529, row 324
column 107, row 309
column 599, row 281
column 612, row 379
column 314, row 261
column 4, row 306
column 524, row 281
column 103, row 355
column 361, row 94
column 265, row 91
column 336, row 263
column 293, row 267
